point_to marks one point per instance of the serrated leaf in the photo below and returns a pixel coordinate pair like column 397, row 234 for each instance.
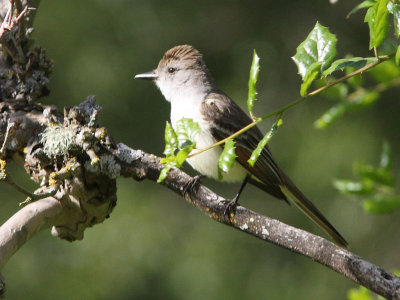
column 386, row 157
column 353, row 187
column 261, row 145
column 319, row 46
column 397, row 58
column 312, row 73
column 382, row 203
column 362, row 5
column 187, row 132
column 378, row 22
column 394, row 9
column 330, row 116
column 255, row 68
column 171, row 140
column 355, row 62
column 227, row 158
column 360, row 293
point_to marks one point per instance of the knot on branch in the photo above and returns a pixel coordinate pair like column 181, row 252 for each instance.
column 73, row 158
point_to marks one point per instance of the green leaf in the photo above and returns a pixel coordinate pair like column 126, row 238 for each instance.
column 361, row 99
column 378, row 22
column 376, row 175
column 355, row 62
column 361, row 293
column 385, row 72
column 330, row 116
column 394, row 9
column 397, row 58
column 182, row 155
column 386, row 157
column 171, row 140
column 255, row 68
column 319, row 46
column 164, row 172
column 382, row 203
column 187, row 132
column 362, row 5
column 353, row 187
column 227, row 158
column 261, row 145
column 310, row 76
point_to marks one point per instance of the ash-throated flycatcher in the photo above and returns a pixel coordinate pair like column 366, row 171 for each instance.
column 185, row 81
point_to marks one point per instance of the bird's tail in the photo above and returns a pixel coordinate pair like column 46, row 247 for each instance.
column 297, row 197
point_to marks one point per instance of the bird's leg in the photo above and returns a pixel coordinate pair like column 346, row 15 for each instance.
column 191, row 184
column 231, row 205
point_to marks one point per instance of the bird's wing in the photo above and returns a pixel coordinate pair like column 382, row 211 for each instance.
column 225, row 118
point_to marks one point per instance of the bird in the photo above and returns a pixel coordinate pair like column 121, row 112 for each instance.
column 185, row 81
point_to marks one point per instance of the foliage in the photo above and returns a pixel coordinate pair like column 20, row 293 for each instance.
column 376, row 185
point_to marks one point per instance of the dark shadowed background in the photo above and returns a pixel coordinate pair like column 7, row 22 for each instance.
column 157, row 246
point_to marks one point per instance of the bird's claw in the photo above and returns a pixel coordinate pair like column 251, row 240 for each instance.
column 191, row 184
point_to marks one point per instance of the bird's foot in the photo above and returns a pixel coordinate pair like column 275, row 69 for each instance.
column 230, row 206
column 192, row 183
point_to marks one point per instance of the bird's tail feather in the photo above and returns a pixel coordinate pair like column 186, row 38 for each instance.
column 297, row 197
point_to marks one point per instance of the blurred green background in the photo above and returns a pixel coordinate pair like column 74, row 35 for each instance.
column 157, row 246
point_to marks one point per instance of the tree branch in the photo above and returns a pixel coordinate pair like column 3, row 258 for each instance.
column 140, row 165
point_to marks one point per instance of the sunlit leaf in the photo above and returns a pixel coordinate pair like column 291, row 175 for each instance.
column 353, row 187
column 187, row 132
column 355, row 62
column 261, row 145
column 255, row 68
column 164, row 172
column 227, row 158
column 319, row 46
column 312, row 73
column 382, row 203
column 364, row 4
column 171, row 140
column 182, row 155
column 378, row 22
column 394, row 9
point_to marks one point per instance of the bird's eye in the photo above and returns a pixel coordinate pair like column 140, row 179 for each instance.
column 171, row 70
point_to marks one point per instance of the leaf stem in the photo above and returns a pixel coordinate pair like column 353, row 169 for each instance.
column 280, row 111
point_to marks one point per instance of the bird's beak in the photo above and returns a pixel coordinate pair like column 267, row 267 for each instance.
column 147, row 76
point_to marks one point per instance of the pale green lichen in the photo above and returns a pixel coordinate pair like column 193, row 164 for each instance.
column 58, row 139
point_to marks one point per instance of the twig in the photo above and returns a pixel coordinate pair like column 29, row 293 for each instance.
column 294, row 103
column 8, row 23
column 9, row 126
column 31, row 196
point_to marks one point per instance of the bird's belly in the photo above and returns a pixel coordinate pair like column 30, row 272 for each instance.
column 206, row 163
